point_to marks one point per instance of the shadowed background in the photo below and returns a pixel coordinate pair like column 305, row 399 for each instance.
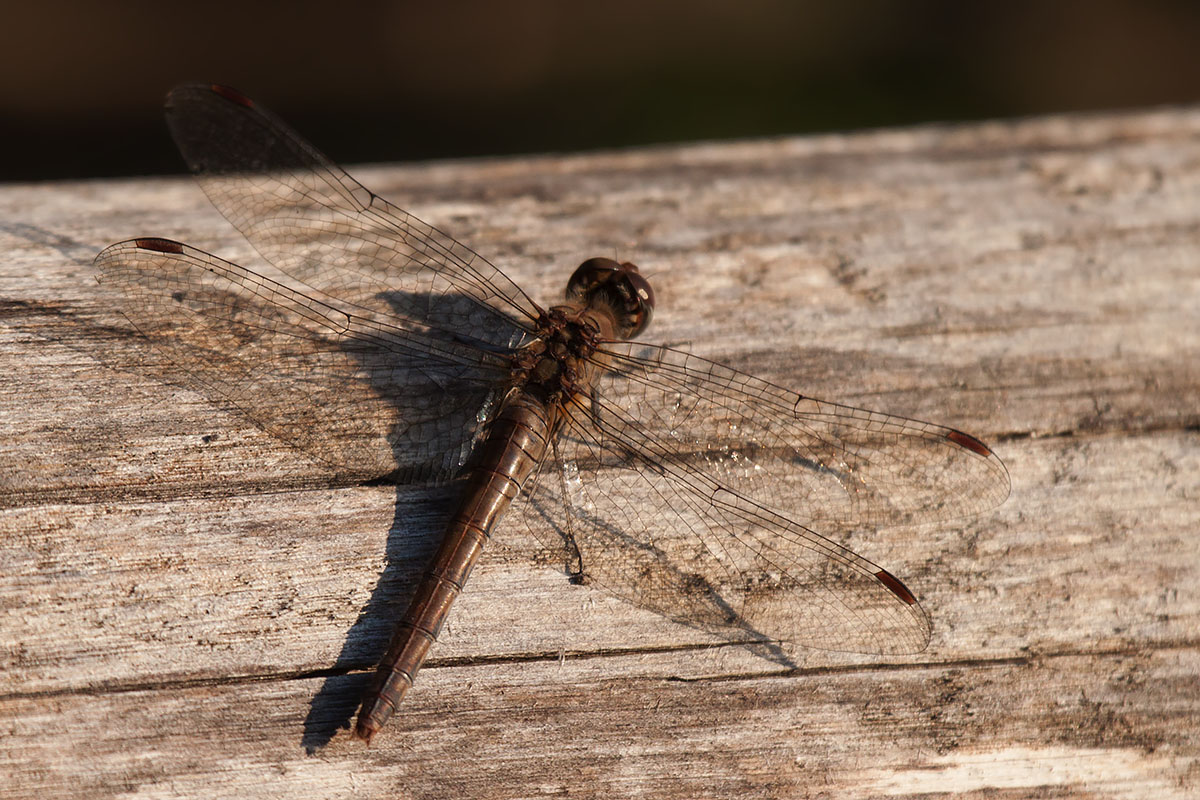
column 81, row 84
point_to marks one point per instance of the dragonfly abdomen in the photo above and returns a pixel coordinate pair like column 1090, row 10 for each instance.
column 515, row 445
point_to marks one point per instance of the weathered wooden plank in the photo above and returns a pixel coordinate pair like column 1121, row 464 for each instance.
column 1112, row 724
column 185, row 604
column 268, row 585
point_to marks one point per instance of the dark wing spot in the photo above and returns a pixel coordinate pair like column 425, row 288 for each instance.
column 895, row 586
column 969, row 442
column 232, row 95
column 159, row 245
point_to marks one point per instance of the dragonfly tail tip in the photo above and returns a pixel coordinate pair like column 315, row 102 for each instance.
column 366, row 732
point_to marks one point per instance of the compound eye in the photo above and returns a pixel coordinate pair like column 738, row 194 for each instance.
column 642, row 290
column 618, row 287
column 589, row 275
column 639, row 300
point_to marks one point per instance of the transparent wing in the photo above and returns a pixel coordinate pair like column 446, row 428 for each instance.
column 311, row 220
column 644, row 530
column 832, row 467
column 696, row 491
column 365, row 398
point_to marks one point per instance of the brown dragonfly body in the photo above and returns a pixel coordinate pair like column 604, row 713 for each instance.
column 385, row 349
column 614, row 302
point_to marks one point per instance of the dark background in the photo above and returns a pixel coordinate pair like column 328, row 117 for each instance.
column 81, row 84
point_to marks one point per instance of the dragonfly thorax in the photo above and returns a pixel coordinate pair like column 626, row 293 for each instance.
column 557, row 364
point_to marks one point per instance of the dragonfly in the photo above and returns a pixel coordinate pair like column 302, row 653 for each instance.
column 384, row 349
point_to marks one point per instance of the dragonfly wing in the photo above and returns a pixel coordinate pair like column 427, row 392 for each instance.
column 311, row 220
column 643, row 529
column 832, row 467
column 361, row 397
column 697, row 491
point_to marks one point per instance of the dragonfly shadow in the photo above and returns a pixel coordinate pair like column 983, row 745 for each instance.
column 428, row 390
column 421, row 511
column 109, row 333
column 684, row 597
column 420, row 514
column 412, row 539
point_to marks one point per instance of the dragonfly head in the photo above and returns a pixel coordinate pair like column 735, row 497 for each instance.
column 619, row 288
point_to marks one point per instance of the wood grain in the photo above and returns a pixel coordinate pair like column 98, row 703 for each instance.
column 188, row 608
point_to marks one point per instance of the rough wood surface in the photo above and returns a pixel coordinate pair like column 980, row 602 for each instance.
column 187, row 609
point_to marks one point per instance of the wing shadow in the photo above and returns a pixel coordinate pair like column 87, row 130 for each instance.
column 413, row 536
